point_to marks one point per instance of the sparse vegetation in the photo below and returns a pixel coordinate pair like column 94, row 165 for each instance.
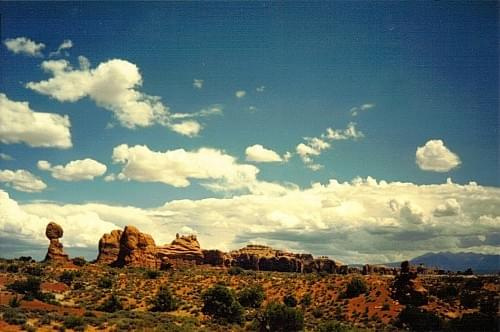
column 220, row 303
column 252, row 296
column 164, row 300
column 356, row 287
column 281, row 318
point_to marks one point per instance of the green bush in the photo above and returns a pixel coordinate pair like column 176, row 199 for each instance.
column 14, row 302
column 105, row 282
column 74, row 322
column 469, row 299
column 152, row 274
column 112, row 304
column 289, row 300
column 475, row 322
column 34, row 270
column 235, row 270
column 332, row 326
column 220, row 303
column 30, row 286
column 164, row 300
column 252, row 297
column 67, row 277
column 14, row 316
column 281, row 318
column 79, row 261
column 12, row 268
column 418, row 319
column 306, row 299
column 356, row 287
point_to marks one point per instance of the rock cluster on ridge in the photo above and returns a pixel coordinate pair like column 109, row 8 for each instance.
column 55, row 251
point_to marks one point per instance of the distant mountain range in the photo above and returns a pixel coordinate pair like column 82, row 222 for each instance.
column 479, row 263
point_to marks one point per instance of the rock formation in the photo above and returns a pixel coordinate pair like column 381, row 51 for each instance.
column 133, row 248
column 109, row 247
column 407, row 288
column 184, row 250
column 136, row 249
column 377, row 269
column 55, row 251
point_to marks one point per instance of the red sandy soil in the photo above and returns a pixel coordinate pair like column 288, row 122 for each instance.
column 4, row 327
column 56, row 287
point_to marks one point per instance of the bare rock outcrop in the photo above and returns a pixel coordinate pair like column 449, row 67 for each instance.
column 407, row 288
column 136, row 249
column 55, row 251
column 184, row 250
column 109, row 247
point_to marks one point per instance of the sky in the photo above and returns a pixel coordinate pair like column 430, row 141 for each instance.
column 365, row 131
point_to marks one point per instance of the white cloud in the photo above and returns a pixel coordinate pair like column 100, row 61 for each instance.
column 449, row 208
column 355, row 110
column 260, row 88
column 240, row 93
column 65, row 45
column 76, row 170
column 313, row 146
column 114, row 86
column 22, row 180
column 260, row 154
column 6, row 157
column 343, row 134
column 435, row 156
column 197, row 83
column 20, row 124
column 359, row 221
column 111, row 85
column 189, row 128
column 176, row 167
column 23, row 45
column 209, row 111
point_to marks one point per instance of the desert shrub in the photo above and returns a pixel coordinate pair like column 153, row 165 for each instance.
column 489, row 304
column 14, row 316
column 105, row 282
column 306, row 299
column 152, row 274
column 418, row 319
column 386, row 306
column 289, row 300
column 112, row 304
column 355, row 287
column 12, row 268
column 79, row 261
column 14, row 302
column 447, row 292
column 220, row 303
column 316, row 312
column 30, row 286
column 34, row 270
column 332, row 326
column 164, row 300
column 473, row 284
column 74, row 322
column 235, row 270
column 475, row 322
column 469, row 299
column 280, row 318
column 252, row 296
column 67, row 277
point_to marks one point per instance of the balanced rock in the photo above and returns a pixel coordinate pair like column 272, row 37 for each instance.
column 407, row 287
column 109, row 247
column 55, row 251
column 136, row 249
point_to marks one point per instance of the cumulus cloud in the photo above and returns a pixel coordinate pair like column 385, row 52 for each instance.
column 76, row 170
column 23, row 45
column 260, row 88
column 435, row 156
column 20, row 124
column 240, row 93
column 22, row 180
column 355, row 110
column 313, row 146
column 363, row 220
column 113, row 85
column 449, row 208
column 189, row 128
column 65, row 45
column 197, row 83
column 6, row 157
column 176, row 167
column 258, row 153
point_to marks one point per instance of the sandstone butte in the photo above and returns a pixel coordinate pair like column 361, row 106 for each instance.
column 131, row 247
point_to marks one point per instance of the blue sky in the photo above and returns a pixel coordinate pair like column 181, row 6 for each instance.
column 425, row 72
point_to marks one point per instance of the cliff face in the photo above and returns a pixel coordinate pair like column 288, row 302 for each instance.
column 130, row 247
